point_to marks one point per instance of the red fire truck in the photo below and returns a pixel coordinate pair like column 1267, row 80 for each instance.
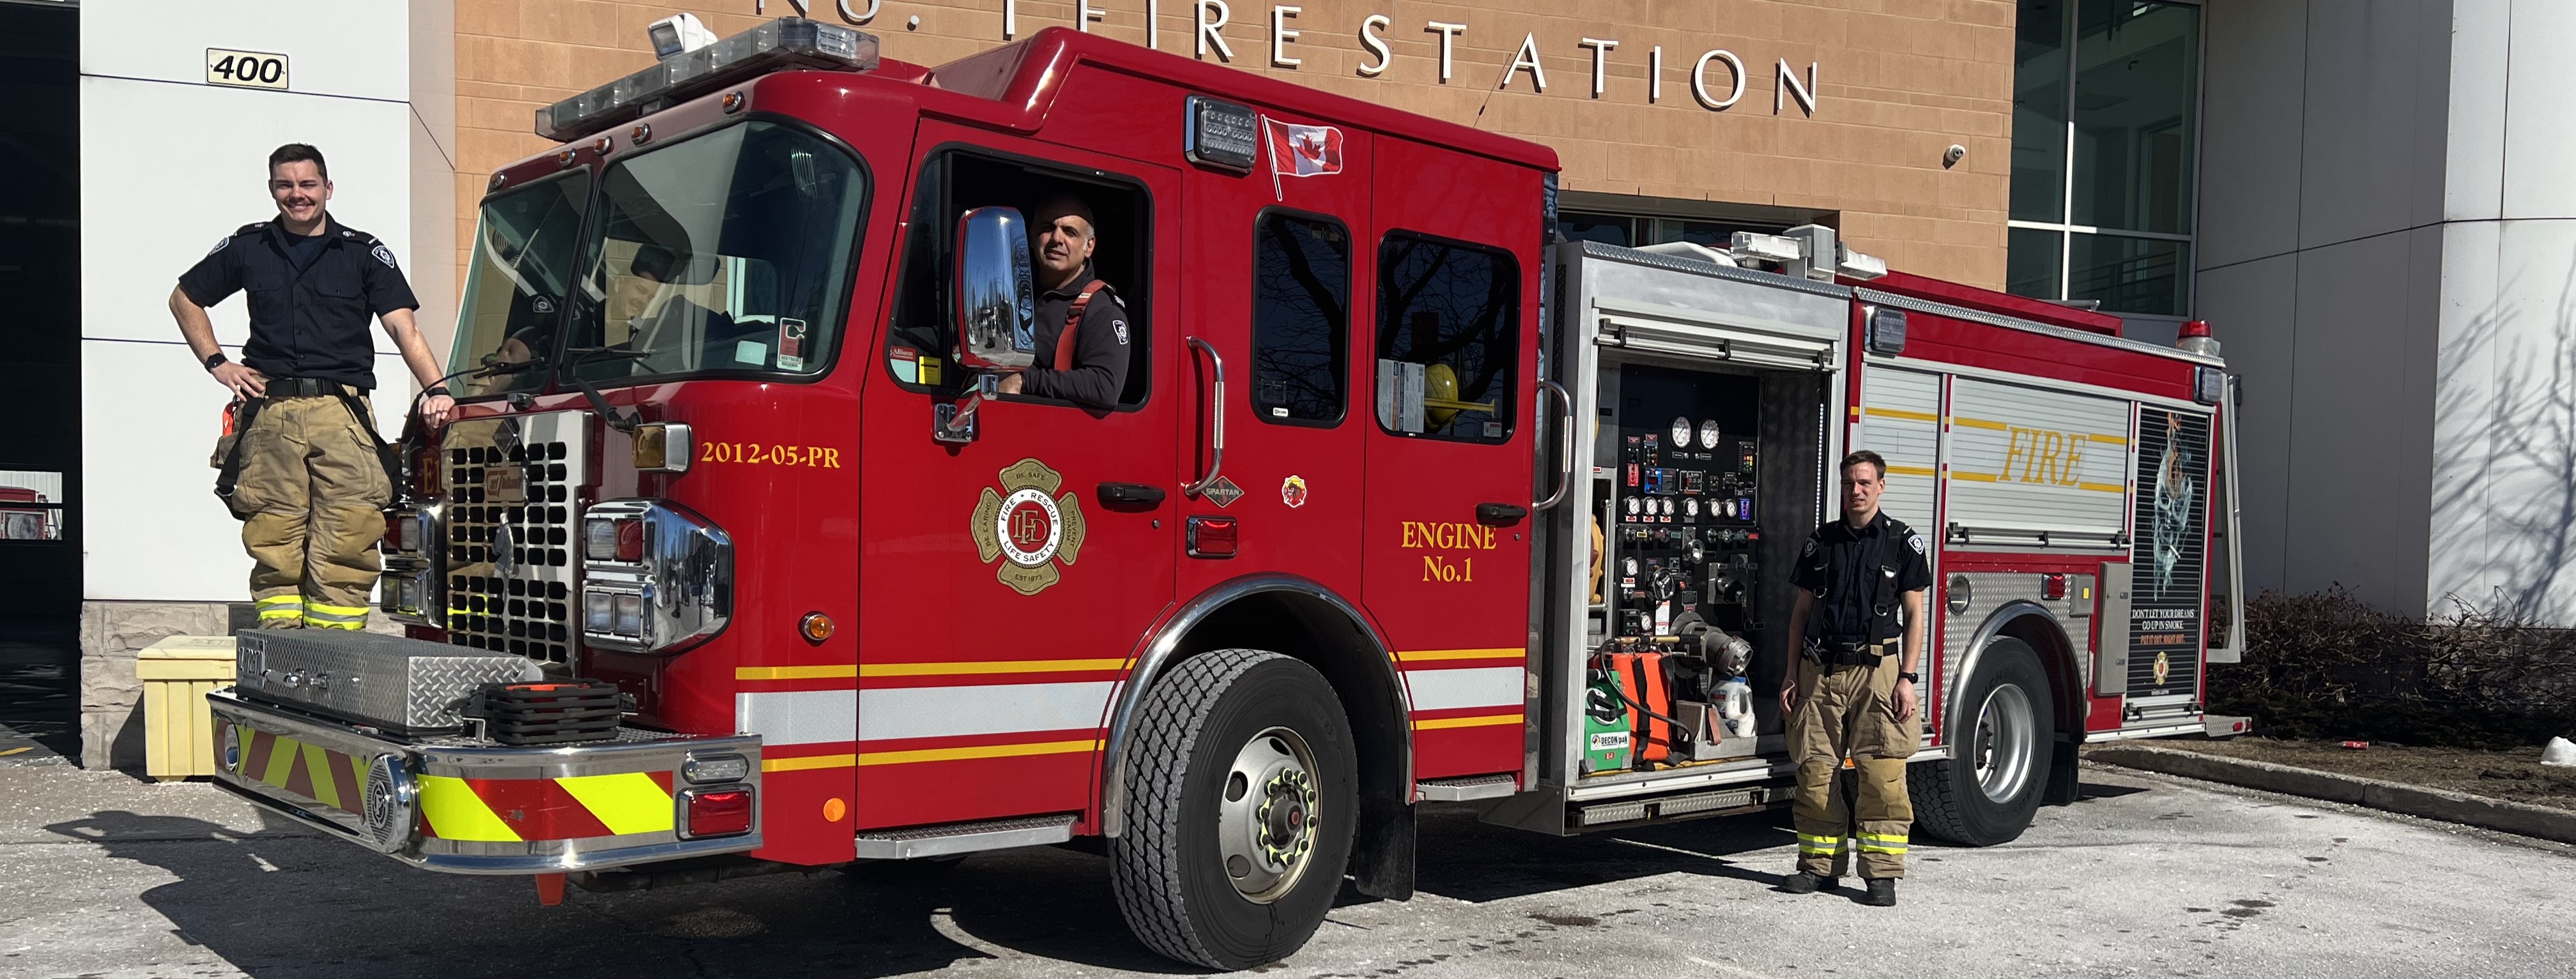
column 1401, row 490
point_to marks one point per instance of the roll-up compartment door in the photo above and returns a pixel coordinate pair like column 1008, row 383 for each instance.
column 2034, row 467
column 1900, row 419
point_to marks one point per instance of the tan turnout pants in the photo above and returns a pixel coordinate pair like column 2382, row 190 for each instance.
column 1851, row 713
column 311, row 496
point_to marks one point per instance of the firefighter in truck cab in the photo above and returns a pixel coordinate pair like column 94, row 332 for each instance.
column 1081, row 352
column 1851, row 693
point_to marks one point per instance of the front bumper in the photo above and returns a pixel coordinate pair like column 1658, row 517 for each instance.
column 454, row 805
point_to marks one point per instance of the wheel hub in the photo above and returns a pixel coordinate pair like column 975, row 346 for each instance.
column 2001, row 744
column 1267, row 814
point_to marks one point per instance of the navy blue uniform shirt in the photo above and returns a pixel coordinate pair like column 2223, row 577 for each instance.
column 1846, row 567
column 309, row 321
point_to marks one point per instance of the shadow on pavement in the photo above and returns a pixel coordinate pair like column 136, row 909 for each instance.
column 278, row 903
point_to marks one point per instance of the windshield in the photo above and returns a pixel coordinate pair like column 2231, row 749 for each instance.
column 515, row 288
column 729, row 252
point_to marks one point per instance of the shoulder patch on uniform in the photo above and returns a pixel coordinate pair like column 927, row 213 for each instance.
column 1915, row 541
column 385, row 255
column 1811, row 545
column 1121, row 327
column 219, row 244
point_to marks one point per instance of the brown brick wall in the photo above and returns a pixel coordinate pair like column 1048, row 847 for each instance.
column 1899, row 82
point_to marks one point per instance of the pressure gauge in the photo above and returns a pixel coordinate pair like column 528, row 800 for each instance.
column 1730, row 508
column 1632, row 506
column 1629, row 566
column 1664, row 507
column 1681, row 433
column 1708, row 434
column 1690, row 508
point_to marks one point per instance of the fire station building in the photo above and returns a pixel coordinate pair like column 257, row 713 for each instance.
column 2365, row 198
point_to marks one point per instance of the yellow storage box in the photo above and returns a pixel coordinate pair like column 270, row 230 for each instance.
column 178, row 729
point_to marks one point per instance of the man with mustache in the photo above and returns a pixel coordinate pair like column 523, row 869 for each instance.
column 301, row 470
column 1082, row 324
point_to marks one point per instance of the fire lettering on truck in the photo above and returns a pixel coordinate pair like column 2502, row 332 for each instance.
column 2035, row 455
column 1420, row 535
column 1027, row 529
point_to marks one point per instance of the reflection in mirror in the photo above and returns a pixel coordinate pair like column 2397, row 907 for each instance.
column 996, row 305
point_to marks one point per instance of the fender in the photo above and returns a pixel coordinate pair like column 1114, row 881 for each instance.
column 1166, row 641
column 1993, row 626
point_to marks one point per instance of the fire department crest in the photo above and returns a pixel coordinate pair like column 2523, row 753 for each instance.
column 1027, row 528
column 2164, row 667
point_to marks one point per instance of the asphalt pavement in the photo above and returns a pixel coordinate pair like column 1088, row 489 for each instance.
column 103, row 875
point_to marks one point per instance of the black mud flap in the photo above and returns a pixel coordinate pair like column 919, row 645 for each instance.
column 1382, row 856
column 2063, row 783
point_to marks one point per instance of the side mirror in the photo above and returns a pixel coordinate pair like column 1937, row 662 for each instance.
column 994, row 297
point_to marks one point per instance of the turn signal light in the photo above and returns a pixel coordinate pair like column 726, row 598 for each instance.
column 621, row 541
column 718, row 812
column 1212, row 537
column 815, row 627
column 662, row 447
column 2052, row 587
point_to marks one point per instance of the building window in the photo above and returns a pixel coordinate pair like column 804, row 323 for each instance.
column 2105, row 130
column 31, row 505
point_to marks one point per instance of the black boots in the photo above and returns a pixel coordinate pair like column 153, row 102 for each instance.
column 1882, row 893
column 1803, row 882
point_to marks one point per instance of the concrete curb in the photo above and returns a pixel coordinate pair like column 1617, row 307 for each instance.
column 2456, row 807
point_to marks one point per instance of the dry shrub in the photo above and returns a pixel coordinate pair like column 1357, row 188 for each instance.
column 2325, row 665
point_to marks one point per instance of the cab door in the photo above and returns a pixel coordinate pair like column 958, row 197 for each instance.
column 1005, row 580
column 1280, row 286
column 1449, row 430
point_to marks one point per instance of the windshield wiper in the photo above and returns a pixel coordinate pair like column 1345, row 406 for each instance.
column 579, row 355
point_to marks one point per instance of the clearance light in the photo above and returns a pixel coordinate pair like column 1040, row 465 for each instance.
column 707, row 769
column 788, row 42
column 1213, row 537
column 717, row 812
column 815, row 627
column 2052, row 587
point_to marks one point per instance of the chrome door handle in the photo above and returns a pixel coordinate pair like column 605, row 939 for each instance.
column 1216, row 410
column 1565, row 449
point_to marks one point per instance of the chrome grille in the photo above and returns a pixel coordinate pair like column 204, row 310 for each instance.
column 514, row 496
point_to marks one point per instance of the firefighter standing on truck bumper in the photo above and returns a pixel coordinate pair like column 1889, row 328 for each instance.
column 301, row 469
column 1851, row 693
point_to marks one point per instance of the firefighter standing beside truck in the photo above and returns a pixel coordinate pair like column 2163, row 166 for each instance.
column 302, row 471
column 1851, row 693
column 1093, row 372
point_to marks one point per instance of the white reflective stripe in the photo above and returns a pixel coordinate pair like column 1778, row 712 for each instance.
column 798, row 716
column 938, row 712
column 1493, row 686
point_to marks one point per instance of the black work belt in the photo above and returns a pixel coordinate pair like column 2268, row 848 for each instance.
column 1830, row 653
column 301, row 387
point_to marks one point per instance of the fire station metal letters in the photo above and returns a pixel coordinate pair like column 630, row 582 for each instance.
column 1533, row 500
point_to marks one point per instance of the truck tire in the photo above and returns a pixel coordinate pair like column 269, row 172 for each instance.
column 1989, row 788
column 1241, row 797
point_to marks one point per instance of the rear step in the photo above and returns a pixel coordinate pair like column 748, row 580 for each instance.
column 1463, row 789
column 1695, row 805
column 950, row 838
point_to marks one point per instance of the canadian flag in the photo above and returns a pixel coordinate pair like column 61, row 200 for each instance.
column 1304, row 151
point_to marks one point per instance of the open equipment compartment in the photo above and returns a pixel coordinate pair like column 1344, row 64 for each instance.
column 1696, row 537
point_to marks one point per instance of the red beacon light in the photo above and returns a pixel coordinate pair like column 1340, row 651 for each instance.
column 2194, row 338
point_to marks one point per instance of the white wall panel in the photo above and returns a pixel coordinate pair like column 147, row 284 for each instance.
column 2540, row 111
column 1900, row 419
column 154, row 530
column 2473, row 167
column 349, row 48
column 2034, row 460
column 169, row 216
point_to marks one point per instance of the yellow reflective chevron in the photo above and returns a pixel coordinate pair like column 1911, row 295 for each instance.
column 628, row 803
column 456, row 813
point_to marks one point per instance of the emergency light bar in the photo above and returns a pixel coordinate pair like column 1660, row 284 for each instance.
column 788, row 42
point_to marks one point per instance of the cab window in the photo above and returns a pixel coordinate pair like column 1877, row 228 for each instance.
column 921, row 335
column 517, row 284
column 728, row 253
column 1301, row 328
column 1446, row 339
